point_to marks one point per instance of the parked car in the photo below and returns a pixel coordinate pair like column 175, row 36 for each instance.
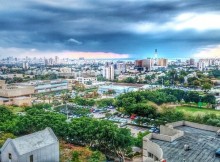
column 217, row 153
column 111, row 107
column 133, row 116
column 123, row 124
column 154, row 130
column 123, row 120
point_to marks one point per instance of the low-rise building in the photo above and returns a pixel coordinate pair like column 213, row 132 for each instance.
column 88, row 80
column 42, row 86
column 117, row 90
column 41, row 146
column 15, row 95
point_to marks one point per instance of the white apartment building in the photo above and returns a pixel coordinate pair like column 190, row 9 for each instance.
column 109, row 72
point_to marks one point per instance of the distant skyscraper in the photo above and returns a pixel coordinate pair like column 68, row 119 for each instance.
column 56, row 60
column 149, row 64
column 155, row 54
column 192, row 62
column 51, row 62
column 46, row 62
column 155, row 63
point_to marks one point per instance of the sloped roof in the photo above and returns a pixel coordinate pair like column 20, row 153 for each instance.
column 34, row 141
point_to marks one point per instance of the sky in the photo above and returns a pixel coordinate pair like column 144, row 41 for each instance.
column 110, row 28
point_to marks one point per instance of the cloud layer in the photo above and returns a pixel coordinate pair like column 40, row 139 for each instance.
column 176, row 28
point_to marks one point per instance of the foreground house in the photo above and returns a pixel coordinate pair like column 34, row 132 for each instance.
column 42, row 146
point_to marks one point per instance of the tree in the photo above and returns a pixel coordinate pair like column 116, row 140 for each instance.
column 139, row 139
column 181, row 79
column 192, row 97
column 5, row 114
column 96, row 157
column 142, row 109
column 4, row 137
column 216, row 73
column 129, row 80
column 65, row 97
column 209, row 99
column 196, row 83
column 105, row 102
column 102, row 135
column 206, row 87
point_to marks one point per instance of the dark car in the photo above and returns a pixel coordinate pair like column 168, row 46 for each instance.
column 217, row 153
column 154, row 130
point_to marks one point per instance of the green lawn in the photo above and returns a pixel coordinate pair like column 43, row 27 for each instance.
column 196, row 110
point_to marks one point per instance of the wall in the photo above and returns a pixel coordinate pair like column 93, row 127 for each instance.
column 16, row 92
column 162, row 137
column 151, row 147
column 194, row 125
column 201, row 126
column 24, row 101
column 175, row 124
column 8, row 149
column 167, row 131
column 46, row 154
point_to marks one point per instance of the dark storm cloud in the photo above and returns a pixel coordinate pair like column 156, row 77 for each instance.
column 112, row 26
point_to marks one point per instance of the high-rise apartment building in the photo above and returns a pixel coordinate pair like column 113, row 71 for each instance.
column 162, row 62
column 109, row 72
column 25, row 65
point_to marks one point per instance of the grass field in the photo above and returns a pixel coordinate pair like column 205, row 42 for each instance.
column 196, row 110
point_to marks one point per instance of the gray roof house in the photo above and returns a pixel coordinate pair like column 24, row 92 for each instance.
column 42, row 146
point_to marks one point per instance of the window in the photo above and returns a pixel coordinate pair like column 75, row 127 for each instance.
column 31, row 158
column 150, row 155
column 9, row 156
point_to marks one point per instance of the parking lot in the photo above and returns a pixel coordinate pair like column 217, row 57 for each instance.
column 123, row 121
column 135, row 130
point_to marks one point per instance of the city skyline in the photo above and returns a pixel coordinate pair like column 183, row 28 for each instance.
column 113, row 29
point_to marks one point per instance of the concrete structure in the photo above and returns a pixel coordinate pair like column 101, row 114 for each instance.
column 42, row 146
column 15, row 95
column 49, row 85
column 170, row 143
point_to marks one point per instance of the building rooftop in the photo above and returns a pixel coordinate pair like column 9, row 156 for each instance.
column 34, row 141
column 203, row 145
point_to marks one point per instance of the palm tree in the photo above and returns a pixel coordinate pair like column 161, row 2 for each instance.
column 49, row 97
